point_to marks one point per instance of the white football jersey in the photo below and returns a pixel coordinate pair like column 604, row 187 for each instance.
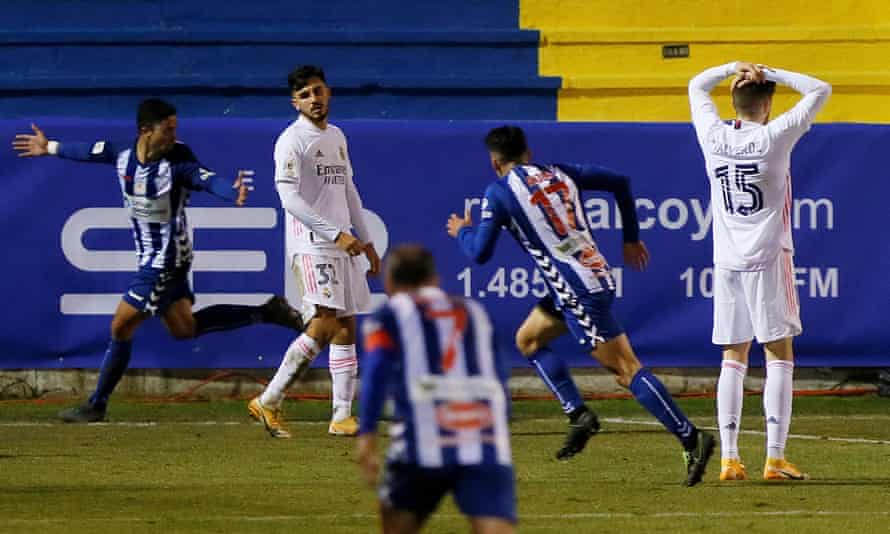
column 749, row 168
column 313, row 176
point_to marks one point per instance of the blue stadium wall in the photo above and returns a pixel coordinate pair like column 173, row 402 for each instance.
column 69, row 254
column 462, row 59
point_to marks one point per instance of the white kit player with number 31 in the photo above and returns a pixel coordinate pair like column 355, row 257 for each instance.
column 313, row 176
column 748, row 164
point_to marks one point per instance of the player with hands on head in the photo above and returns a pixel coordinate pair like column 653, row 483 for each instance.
column 748, row 163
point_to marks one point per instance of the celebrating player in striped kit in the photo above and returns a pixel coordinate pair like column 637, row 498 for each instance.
column 436, row 357
column 748, row 162
column 157, row 174
column 313, row 176
column 541, row 207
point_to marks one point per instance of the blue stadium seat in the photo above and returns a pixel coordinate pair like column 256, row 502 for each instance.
column 461, row 60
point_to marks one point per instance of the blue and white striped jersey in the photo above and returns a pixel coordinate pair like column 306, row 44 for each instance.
column 541, row 207
column 155, row 195
column 435, row 356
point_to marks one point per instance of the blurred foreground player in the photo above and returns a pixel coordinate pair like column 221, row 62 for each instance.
column 435, row 356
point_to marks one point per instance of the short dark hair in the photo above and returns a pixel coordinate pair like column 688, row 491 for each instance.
column 508, row 142
column 748, row 97
column 152, row 111
column 410, row 265
column 299, row 77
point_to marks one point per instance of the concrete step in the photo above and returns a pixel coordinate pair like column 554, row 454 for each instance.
column 856, row 97
column 548, row 14
column 638, row 51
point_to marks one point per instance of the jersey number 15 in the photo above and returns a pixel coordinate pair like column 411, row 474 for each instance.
column 737, row 182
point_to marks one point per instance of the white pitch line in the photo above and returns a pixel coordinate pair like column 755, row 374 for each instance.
column 143, row 424
column 623, row 421
column 614, row 420
column 524, row 517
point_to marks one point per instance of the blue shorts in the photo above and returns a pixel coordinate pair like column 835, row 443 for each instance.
column 479, row 490
column 590, row 321
column 154, row 290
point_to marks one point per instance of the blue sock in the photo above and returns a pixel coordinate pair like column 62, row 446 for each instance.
column 555, row 373
column 226, row 317
column 117, row 358
column 651, row 393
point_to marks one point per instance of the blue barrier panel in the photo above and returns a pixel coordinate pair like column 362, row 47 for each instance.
column 68, row 252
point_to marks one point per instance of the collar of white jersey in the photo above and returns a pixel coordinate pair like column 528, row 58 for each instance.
column 309, row 124
column 738, row 124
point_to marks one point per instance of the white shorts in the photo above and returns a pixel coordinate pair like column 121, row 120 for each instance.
column 761, row 304
column 334, row 282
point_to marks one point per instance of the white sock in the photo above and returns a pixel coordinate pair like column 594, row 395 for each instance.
column 777, row 394
column 344, row 374
column 730, row 394
column 297, row 357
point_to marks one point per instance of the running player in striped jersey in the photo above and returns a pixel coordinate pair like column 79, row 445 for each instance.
column 436, row 357
column 748, row 163
column 157, row 174
column 541, row 207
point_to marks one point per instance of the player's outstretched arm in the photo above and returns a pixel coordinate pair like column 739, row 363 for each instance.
column 37, row 145
column 199, row 178
column 478, row 243
column 243, row 185
column 636, row 255
column 31, row 146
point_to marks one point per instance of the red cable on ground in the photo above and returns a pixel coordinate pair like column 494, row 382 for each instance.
column 186, row 396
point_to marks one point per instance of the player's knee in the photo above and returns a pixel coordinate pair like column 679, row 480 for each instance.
column 624, row 366
column 122, row 330
column 182, row 332
column 323, row 328
column 628, row 369
column 526, row 344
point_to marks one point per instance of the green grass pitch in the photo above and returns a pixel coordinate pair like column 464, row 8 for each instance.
column 205, row 467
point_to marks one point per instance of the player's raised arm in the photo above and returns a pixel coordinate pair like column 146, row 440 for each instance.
column 704, row 111
column 478, row 243
column 796, row 121
column 36, row 145
column 199, row 178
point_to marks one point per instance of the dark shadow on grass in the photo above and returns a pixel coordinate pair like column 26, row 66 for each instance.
column 780, row 485
column 602, row 432
column 828, row 482
column 30, row 455
column 60, row 489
